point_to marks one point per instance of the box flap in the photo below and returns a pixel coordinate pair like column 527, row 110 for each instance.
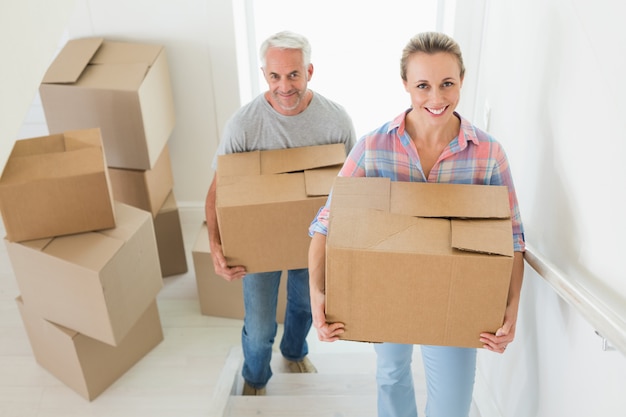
column 299, row 159
column 112, row 52
column 114, row 77
column 43, row 167
column 37, row 244
column 244, row 163
column 72, row 60
column 27, row 165
column 450, row 200
column 484, row 236
column 386, row 232
column 129, row 219
column 260, row 189
column 93, row 250
column 69, row 332
column 281, row 161
column 401, row 216
column 38, row 146
column 318, row 182
column 79, row 139
column 361, row 192
column 89, row 250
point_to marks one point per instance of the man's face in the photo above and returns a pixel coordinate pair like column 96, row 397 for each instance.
column 287, row 79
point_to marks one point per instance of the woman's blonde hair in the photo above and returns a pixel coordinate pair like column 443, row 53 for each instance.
column 430, row 43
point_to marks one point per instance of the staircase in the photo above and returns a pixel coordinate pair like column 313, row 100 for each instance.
column 344, row 386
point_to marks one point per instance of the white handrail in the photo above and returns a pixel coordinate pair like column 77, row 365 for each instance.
column 606, row 316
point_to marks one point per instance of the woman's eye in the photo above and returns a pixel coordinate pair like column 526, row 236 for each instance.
column 422, row 86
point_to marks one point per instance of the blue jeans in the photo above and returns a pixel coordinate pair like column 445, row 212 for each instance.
column 449, row 372
column 260, row 296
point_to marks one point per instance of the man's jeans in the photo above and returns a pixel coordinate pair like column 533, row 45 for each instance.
column 260, row 294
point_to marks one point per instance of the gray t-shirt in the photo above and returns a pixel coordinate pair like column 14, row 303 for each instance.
column 257, row 126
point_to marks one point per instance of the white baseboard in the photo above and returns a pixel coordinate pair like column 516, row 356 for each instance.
column 191, row 212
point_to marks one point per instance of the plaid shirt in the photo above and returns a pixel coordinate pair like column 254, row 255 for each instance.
column 473, row 157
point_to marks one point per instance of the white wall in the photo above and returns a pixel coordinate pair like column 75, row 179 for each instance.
column 29, row 33
column 550, row 71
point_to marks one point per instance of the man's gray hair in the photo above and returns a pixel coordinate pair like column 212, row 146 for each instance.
column 286, row 40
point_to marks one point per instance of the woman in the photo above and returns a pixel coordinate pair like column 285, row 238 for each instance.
column 429, row 142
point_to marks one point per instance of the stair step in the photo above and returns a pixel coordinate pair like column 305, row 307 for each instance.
column 333, row 363
column 321, row 385
column 345, row 386
column 302, row 406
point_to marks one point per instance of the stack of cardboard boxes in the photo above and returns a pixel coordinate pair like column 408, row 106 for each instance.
column 86, row 266
column 88, row 212
column 124, row 89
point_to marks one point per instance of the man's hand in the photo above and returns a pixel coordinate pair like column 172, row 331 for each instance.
column 221, row 266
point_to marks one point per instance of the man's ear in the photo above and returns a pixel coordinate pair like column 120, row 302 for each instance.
column 309, row 72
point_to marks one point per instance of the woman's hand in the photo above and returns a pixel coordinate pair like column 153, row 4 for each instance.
column 499, row 341
column 326, row 332
column 504, row 335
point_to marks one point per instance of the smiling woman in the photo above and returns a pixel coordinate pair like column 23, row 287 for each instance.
column 355, row 55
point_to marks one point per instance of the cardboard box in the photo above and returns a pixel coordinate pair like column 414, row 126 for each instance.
column 145, row 189
column 221, row 298
column 96, row 283
column 418, row 263
column 56, row 185
column 266, row 201
column 84, row 364
column 123, row 88
column 169, row 239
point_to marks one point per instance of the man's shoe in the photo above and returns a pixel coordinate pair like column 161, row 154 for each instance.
column 301, row 367
column 250, row 390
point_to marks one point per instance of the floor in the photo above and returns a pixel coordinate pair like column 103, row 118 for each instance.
column 177, row 378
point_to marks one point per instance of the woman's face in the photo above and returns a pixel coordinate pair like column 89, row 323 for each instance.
column 434, row 83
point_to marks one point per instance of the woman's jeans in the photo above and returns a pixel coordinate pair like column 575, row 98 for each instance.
column 260, row 295
column 449, row 372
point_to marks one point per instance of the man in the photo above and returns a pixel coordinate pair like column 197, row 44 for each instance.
column 287, row 115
